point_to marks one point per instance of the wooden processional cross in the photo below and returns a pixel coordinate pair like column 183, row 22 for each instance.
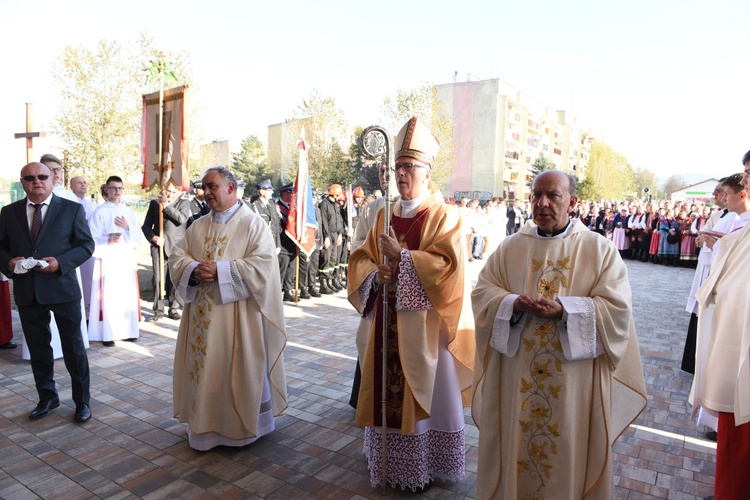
column 29, row 135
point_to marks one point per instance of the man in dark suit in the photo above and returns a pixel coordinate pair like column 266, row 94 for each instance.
column 515, row 218
column 176, row 211
column 198, row 205
column 52, row 230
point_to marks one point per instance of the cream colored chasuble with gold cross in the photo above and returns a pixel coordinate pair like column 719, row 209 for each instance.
column 552, row 396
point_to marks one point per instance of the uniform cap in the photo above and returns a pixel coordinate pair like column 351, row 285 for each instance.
column 265, row 184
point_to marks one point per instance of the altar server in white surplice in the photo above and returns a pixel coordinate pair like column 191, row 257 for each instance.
column 115, row 310
column 229, row 380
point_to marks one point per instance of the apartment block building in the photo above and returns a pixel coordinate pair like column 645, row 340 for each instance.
column 498, row 133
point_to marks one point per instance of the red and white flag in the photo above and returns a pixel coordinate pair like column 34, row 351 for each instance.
column 301, row 224
column 173, row 166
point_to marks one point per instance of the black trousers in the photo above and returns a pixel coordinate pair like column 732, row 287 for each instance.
column 169, row 291
column 328, row 261
column 35, row 320
column 287, row 270
column 308, row 268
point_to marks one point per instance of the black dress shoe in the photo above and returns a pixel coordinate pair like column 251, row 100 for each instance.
column 43, row 408
column 132, row 339
column 711, row 436
column 108, row 343
column 174, row 315
column 288, row 297
column 8, row 345
column 156, row 317
column 304, row 294
column 83, row 413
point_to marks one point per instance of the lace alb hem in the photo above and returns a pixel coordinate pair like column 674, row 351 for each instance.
column 415, row 460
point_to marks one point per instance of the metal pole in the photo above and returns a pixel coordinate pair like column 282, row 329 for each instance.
column 377, row 143
column 159, row 184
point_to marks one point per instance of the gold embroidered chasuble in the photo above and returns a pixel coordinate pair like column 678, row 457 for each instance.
column 439, row 264
column 547, row 424
column 223, row 349
column 722, row 369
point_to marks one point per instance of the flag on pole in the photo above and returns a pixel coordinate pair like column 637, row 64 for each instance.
column 173, row 167
column 350, row 212
column 301, row 224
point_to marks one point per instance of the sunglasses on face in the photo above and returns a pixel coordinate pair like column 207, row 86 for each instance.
column 30, row 178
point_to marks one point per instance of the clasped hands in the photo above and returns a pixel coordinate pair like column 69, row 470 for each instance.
column 205, row 272
column 538, row 306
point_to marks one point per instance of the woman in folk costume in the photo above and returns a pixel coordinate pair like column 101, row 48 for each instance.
column 688, row 256
column 669, row 239
column 653, row 249
column 621, row 233
column 430, row 326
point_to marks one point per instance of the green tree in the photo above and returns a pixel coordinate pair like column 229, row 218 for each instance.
column 364, row 169
column 326, row 133
column 587, row 190
column 423, row 103
column 250, row 163
column 645, row 179
column 98, row 119
column 672, row 184
column 541, row 164
column 609, row 173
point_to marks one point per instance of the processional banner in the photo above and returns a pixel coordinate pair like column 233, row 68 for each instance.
column 172, row 168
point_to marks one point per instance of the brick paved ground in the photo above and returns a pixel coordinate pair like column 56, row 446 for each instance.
column 132, row 448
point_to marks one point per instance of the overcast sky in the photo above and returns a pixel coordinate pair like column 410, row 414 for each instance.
column 665, row 82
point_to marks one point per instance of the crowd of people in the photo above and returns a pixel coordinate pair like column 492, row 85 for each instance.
column 544, row 349
column 662, row 232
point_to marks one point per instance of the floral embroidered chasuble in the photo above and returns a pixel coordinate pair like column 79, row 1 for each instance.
column 226, row 347
column 549, row 411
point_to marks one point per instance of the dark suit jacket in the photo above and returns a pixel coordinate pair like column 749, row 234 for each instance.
column 176, row 215
column 511, row 215
column 197, row 210
column 64, row 236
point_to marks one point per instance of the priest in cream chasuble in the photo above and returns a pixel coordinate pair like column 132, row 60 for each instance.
column 558, row 375
column 229, row 380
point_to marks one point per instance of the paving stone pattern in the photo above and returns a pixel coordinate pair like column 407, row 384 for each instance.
column 132, row 448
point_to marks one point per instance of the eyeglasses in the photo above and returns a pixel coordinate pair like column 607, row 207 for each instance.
column 30, row 178
column 115, row 188
column 408, row 167
column 55, row 169
column 198, row 186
